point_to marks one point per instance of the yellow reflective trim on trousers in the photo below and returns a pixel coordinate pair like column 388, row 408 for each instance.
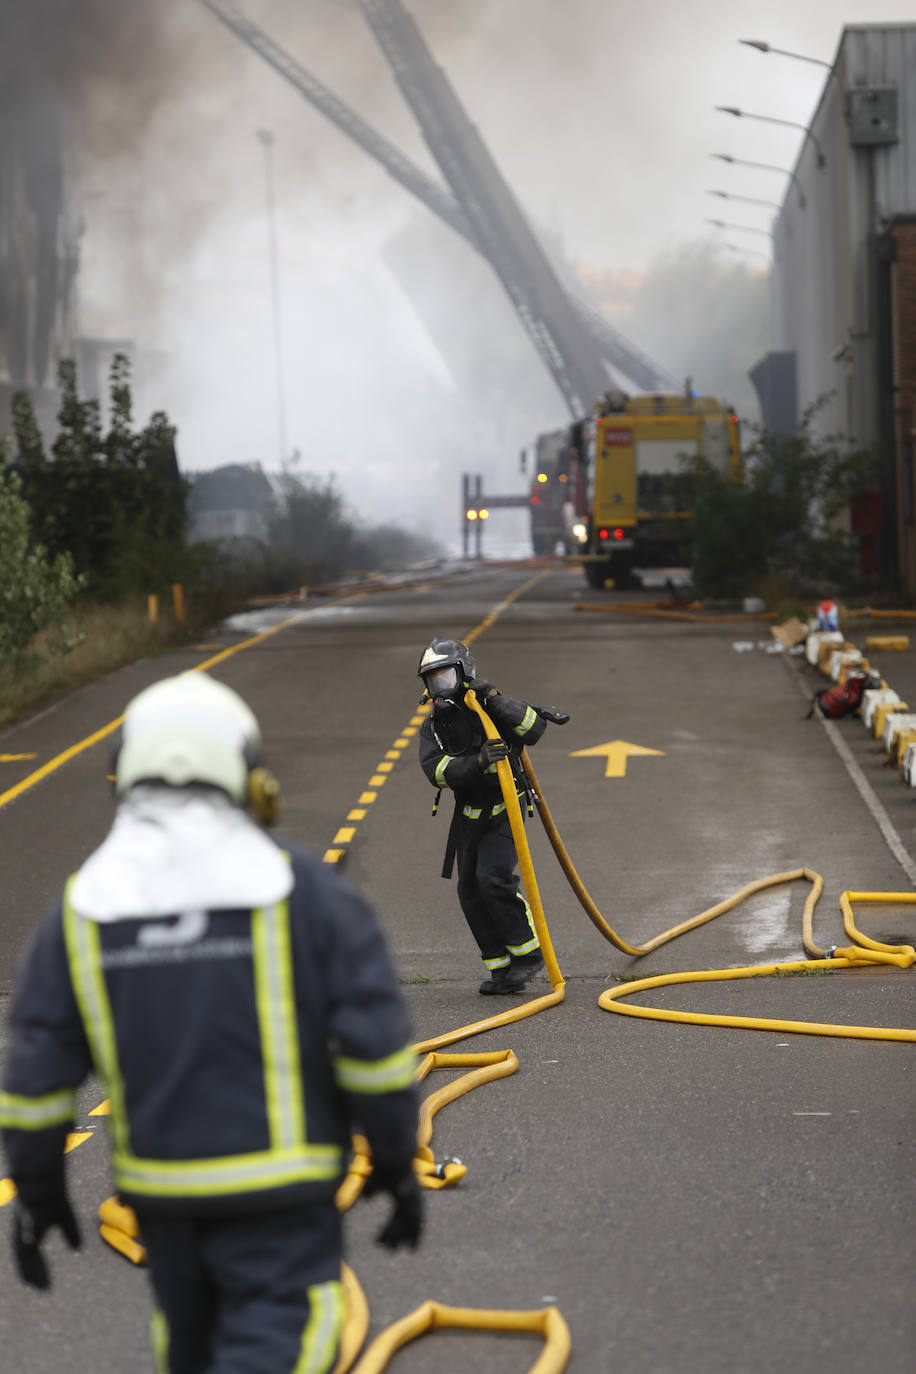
column 230, row 1174
column 159, row 1339
column 378, row 1075
column 532, row 944
column 36, row 1113
column 501, row 961
column 441, row 766
column 526, row 722
column 276, row 1003
column 84, row 956
column 321, row 1336
column 473, row 813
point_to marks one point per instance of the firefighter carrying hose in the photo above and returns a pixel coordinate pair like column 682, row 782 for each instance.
column 455, row 753
column 238, row 1004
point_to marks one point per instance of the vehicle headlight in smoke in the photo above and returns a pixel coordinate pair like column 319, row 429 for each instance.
column 580, row 531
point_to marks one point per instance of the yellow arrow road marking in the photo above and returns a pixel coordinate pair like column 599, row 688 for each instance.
column 616, row 753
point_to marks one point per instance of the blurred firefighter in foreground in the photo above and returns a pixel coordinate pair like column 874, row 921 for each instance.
column 455, row 753
column 238, row 1004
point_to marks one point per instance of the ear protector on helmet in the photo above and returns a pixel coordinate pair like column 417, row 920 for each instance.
column 263, row 797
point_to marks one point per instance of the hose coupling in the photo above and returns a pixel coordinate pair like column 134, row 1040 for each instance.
column 831, row 952
column 441, row 1167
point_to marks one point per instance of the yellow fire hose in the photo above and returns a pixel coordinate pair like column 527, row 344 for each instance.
column 434, row 1316
column 862, row 951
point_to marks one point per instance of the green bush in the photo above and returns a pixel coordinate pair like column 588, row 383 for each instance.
column 36, row 590
column 782, row 524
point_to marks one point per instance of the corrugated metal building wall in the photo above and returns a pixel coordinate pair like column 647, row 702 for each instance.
column 835, row 296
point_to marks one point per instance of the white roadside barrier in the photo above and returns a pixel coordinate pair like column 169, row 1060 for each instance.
column 873, row 697
column 896, row 721
column 813, row 643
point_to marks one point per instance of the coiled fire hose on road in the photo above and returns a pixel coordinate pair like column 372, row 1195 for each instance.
column 862, row 951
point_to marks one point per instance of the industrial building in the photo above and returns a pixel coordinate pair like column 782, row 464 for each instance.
column 844, row 282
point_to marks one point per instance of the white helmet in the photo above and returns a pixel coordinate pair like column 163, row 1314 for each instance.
column 188, row 729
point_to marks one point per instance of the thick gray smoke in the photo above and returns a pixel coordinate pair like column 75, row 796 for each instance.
column 137, row 121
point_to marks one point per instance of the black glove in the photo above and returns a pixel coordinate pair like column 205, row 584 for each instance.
column 491, row 751
column 31, row 1225
column 482, row 689
column 404, row 1225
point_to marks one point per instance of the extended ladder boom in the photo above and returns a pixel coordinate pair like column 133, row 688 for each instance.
column 518, row 259
column 606, row 341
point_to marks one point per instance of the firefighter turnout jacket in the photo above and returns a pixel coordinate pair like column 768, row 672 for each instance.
column 450, row 738
column 239, row 1046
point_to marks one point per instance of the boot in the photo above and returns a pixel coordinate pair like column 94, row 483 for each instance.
column 521, row 972
column 495, row 985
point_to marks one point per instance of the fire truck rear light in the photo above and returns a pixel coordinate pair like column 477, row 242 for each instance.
column 602, row 534
column 618, row 534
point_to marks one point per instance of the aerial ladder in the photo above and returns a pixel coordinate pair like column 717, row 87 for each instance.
column 573, row 340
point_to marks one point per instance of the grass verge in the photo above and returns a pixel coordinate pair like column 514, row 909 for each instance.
column 98, row 639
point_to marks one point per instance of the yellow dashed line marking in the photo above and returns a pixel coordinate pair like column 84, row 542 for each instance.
column 385, row 767
column 367, row 798
column 392, row 753
column 76, row 1138
column 377, row 780
column 332, row 856
column 345, row 834
column 357, row 814
column 7, row 1191
column 401, row 743
column 16, row 758
column 103, row 1109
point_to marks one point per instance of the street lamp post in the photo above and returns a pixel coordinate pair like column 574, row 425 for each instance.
column 770, row 119
column 765, row 47
column 746, row 200
column 266, row 138
column 742, row 248
column 745, row 228
column 766, row 167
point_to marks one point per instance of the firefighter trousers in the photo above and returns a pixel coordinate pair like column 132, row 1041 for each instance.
column 488, row 890
column 257, row 1293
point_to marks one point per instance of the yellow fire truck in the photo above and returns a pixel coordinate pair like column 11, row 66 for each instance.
column 635, row 497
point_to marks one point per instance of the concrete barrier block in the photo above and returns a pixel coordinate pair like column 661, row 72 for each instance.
column 882, row 711
column 843, row 658
column 818, row 641
column 909, row 765
column 904, row 739
column 895, row 722
column 893, row 643
column 872, row 698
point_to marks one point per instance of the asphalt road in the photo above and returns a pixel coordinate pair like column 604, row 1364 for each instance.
column 693, row 1199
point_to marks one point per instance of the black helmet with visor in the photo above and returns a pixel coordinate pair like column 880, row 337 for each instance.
column 445, row 667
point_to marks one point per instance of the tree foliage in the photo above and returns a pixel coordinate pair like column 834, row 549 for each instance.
column 786, row 519
column 115, row 502
column 312, row 527
column 35, row 589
